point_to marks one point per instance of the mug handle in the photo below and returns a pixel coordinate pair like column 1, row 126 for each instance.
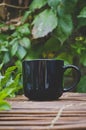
column 78, row 76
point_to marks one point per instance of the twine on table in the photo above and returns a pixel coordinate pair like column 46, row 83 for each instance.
column 58, row 115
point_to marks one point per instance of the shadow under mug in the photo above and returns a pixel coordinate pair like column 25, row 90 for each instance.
column 43, row 78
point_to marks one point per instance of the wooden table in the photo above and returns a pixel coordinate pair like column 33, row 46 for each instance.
column 67, row 113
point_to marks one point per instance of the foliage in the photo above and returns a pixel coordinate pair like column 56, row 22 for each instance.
column 42, row 28
column 81, row 87
column 9, row 85
column 16, row 44
column 47, row 29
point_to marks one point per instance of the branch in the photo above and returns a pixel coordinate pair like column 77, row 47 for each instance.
column 13, row 6
column 15, row 22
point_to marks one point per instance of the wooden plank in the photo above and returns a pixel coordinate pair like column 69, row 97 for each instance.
column 63, row 127
column 39, row 121
column 67, row 113
column 43, row 113
column 13, row 118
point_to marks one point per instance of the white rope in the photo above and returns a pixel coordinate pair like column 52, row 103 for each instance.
column 60, row 112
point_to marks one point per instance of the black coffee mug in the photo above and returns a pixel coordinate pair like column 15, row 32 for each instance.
column 43, row 78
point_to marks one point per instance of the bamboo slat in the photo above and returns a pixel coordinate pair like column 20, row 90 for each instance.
column 66, row 113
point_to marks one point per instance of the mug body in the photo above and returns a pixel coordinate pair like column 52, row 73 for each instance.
column 43, row 79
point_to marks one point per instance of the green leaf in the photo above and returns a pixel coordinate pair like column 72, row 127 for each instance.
column 10, row 85
column 66, row 57
column 52, row 44
column 3, row 37
column 25, row 42
column 1, row 65
column 6, row 57
column 83, row 59
column 18, row 63
column 69, row 5
column 14, row 48
column 81, row 86
column 66, row 7
column 6, row 91
column 25, row 16
column 21, row 52
column 1, row 77
column 13, row 41
column 54, row 3
column 24, row 29
column 7, row 75
column 11, row 88
column 12, row 27
column 15, row 35
column 10, row 81
column 61, row 10
column 81, row 22
column 44, row 23
column 37, row 4
column 82, row 13
column 16, row 80
column 4, row 105
column 3, row 49
column 10, row 69
column 65, row 27
column 35, row 52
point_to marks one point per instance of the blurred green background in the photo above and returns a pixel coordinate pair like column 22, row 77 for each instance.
column 32, row 29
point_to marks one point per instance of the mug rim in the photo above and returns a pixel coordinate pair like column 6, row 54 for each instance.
column 27, row 60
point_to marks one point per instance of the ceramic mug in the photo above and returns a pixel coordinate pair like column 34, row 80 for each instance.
column 43, row 78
